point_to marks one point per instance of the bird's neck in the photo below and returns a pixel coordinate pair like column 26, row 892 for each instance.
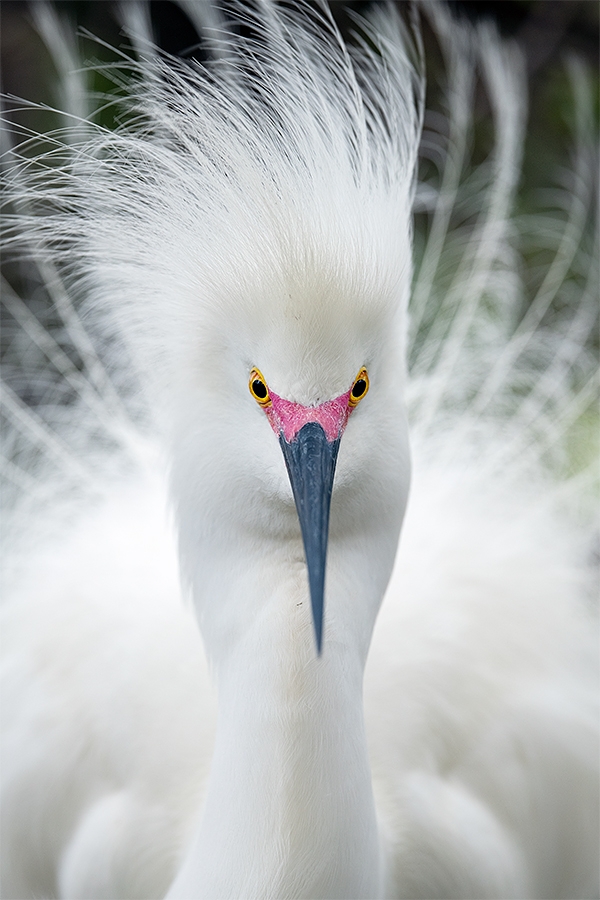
column 289, row 810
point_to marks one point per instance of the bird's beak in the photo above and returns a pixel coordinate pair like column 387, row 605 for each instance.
column 310, row 459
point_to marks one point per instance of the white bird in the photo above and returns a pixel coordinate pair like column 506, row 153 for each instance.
column 243, row 245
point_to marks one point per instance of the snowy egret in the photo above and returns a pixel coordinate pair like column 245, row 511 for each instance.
column 245, row 242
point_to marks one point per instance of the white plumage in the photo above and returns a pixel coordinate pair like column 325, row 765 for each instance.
column 259, row 214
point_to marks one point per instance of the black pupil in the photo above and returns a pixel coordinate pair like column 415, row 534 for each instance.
column 359, row 388
column 260, row 389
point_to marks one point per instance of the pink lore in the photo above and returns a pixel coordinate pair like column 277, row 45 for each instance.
column 288, row 418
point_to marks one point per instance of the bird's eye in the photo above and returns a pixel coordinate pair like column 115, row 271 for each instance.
column 258, row 388
column 359, row 388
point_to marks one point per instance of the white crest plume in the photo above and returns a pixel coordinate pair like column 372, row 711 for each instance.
column 291, row 158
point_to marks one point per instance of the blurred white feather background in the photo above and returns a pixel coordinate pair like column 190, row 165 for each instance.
column 481, row 684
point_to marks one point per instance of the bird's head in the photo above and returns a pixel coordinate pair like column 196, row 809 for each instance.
column 294, row 411
column 253, row 243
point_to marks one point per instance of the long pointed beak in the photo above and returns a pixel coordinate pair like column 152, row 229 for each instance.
column 310, row 459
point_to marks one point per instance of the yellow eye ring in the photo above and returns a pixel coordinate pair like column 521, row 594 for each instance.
column 359, row 388
column 258, row 388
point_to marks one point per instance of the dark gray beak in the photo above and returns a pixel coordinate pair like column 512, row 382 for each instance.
column 310, row 459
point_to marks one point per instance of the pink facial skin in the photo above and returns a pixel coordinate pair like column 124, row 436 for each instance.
column 287, row 418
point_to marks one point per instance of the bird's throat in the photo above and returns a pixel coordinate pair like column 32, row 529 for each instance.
column 289, row 809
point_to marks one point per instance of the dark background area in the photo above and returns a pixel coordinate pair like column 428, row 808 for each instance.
column 545, row 29
column 542, row 27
